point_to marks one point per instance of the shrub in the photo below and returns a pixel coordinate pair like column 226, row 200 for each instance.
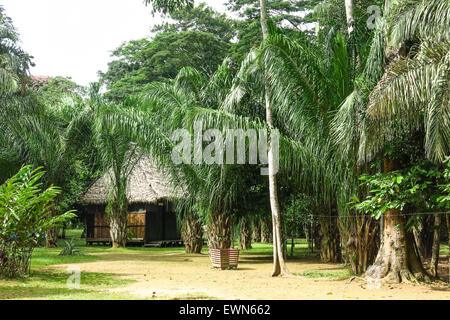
column 24, row 219
column 69, row 249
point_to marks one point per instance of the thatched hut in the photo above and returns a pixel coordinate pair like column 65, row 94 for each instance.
column 151, row 218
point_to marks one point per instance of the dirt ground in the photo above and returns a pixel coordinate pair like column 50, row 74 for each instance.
column 178, row 275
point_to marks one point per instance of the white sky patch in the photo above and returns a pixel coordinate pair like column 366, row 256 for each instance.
column 75, row 38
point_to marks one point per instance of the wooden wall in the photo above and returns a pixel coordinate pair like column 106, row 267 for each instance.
column 146, row 222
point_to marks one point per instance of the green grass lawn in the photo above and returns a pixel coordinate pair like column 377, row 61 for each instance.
column 338, row 274
column 51, row 285
column 45, row 283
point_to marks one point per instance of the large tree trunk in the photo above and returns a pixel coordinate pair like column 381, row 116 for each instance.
column 192, row 234
column 397, row 258
column 245, row 238
column 279, row 264
column 330, row 242
column 436, row 246
column 219, row 231
column 256, row 231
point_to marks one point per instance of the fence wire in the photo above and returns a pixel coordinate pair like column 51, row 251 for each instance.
column 391, row 215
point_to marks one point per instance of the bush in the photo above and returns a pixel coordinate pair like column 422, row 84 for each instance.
column 24, row 219
column 69, row 249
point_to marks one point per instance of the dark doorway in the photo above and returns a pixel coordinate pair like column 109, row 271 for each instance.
column 170, row 228
column 155, row 223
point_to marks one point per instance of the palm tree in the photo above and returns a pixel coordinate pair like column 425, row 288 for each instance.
column 308, row 82
column 269, row 86
column 14, row 62
column 210, row 189
column 118, row 157
column 279, row 265
column 113, row 153
column 412, row 93
column 40, row 137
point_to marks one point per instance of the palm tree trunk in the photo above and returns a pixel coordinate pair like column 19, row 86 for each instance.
column 245, row 238
column 359, row 242
column 117, row 213
column 266, row 231
column 118, row 229
column 436, row 246
column 292, row 246
column 308, row 235
column 387, row 3
column 192, row 234
column 219, row 231
column 350, row 18
column 256, row 233
column 63, row 234
column 279, row 265
column 330, row 242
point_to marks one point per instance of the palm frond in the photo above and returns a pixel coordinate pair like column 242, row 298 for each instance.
column 418, row 19
column 412, row 88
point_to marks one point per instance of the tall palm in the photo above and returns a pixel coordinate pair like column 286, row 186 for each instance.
column 188, row 98
column 118, row 157
column 279, row 266
column 308, row 82
column 41, row 138
column 412, row 93
column 420, row 79
column 113, row 154
column 405, row 21
column 14, row 62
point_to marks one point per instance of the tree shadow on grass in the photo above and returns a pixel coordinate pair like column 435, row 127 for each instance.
column 48, row 284
column 176, row 257
column 17, row 292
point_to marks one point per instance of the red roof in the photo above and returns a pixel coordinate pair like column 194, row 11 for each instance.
column 39, row 81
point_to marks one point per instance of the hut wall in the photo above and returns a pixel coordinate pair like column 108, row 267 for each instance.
column 148, row 222
column 101, row 226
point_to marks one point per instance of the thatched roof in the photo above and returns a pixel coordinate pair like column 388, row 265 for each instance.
column 146, row 184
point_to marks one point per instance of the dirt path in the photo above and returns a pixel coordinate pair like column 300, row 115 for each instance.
column 177, row 275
